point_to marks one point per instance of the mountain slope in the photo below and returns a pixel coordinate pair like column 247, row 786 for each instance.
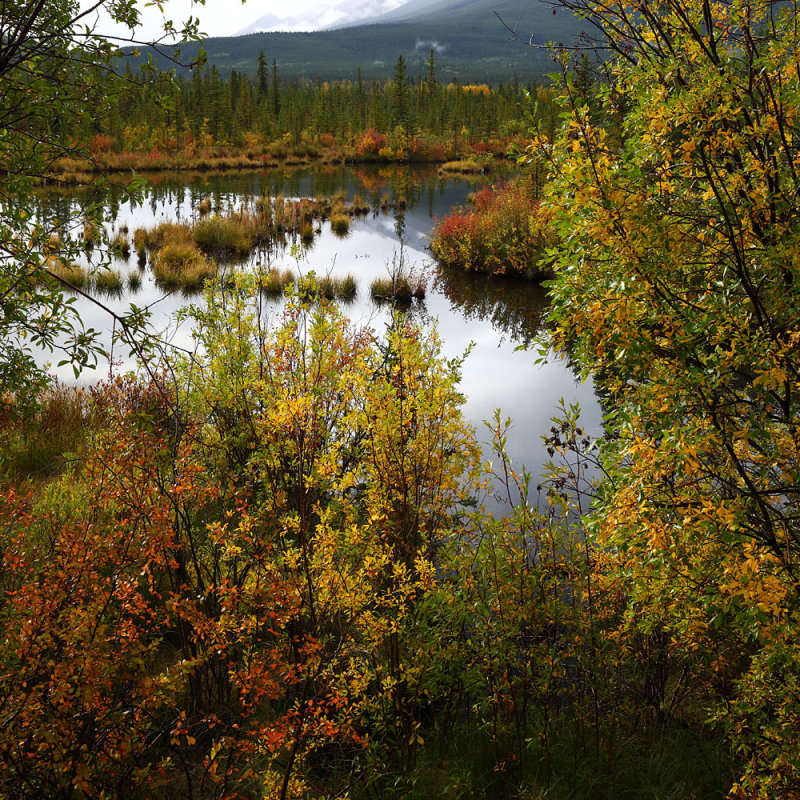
column 471, row 44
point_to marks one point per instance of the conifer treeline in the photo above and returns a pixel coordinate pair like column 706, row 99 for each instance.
column 208, row 110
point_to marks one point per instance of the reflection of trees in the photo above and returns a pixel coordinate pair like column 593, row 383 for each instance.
column 514, row 307
column 182, row 191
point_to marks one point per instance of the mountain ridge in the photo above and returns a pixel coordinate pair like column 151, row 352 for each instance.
column 470, row 42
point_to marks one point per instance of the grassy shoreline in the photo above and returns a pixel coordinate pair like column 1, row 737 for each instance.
column 462, row 159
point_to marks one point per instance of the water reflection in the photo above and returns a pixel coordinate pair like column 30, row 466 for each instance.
column 490, row 316
column 181, row 192
column 514, row 308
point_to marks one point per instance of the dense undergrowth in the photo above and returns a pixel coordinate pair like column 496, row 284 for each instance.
column 265, row 573
column 264, row 570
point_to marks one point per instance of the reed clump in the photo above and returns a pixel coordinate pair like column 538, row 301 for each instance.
column 315, row 287
column 402, row 285
column 134, row 281
column 121, row 246
column 307, row 233
column 392, row 289
column 182, row 265
column 73, row 274
column 140, row 243
column 346, row 288
column 359, row 206
column 91, row 235
column 108, row 281
column 154, row 239
column 231, row 236
column 340, row 224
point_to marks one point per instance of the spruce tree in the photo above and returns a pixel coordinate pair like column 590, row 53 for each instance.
column 276, row 90
column 400, row 98
column 262, row 81
column 431, row 64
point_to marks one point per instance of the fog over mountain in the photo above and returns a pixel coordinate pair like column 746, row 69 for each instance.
column 338, row 15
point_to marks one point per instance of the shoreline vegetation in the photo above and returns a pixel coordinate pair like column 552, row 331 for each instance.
column 503, row 231
column 185, row 254
column 81, row 171
column 255, row 121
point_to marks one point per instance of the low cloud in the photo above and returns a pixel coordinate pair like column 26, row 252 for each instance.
column 428, row 44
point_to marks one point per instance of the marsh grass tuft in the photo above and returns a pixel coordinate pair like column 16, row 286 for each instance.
column 71, row 273
column 347, row 288
column 402, row 285
column 141, row 239
column 340, row 224
column 313, row 287
column 182, row 265
column 307, row 233
column 359, row 206
column 120, row 246
column 228, row 236
column 164, row 233
column 108, row 281
column 134, row 281
column 91, row 235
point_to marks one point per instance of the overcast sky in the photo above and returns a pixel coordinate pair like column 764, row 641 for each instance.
column 217, row 17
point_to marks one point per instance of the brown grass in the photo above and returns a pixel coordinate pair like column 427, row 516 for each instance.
column 340, row 224
column 182, row 265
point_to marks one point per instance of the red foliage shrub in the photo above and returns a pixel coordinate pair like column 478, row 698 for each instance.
column 99, row 143
column 481, row 147
column 505, row 232
column 125, row 667
column 371, row 143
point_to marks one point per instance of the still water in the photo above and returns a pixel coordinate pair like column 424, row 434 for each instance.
column 492, row 317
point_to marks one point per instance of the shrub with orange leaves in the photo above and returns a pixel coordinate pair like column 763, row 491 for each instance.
column 216, row 598
column 504, row 232
column 139, row 642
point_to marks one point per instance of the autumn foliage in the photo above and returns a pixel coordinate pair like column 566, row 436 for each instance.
column 504, row 232
column 216, row 597
column 263, row 568
column 676, row 196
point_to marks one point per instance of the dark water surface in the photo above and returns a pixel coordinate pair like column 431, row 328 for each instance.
column 495, row 316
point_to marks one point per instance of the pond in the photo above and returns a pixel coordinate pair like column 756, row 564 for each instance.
column 492, row 316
